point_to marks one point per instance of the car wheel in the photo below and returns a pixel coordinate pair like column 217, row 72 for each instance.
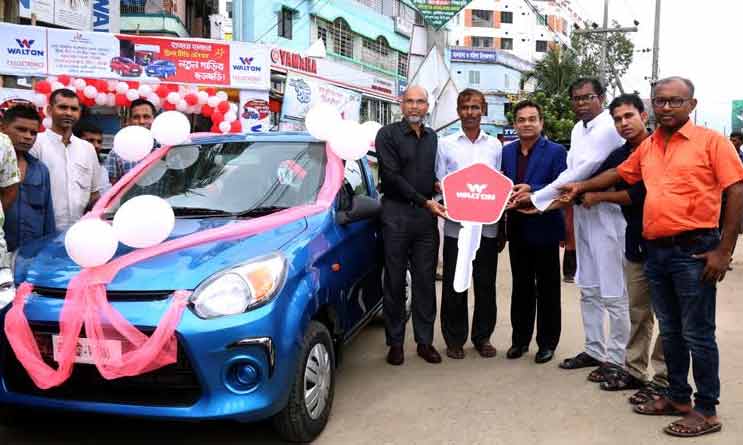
column 311, row 396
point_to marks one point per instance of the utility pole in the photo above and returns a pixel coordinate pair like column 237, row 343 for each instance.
column 656, row 41
column 605, row 42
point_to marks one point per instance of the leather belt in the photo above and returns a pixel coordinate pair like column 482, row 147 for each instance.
column 683, row 239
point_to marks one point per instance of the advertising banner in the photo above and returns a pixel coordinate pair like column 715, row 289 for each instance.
column 249, row 64
column 438, row 12
column 255, row 116
column 302, row 93
column 23, row 50
column 82, row 54
column 82, row 15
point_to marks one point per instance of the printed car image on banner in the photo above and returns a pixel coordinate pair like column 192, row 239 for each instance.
column 173, row 60
column 301, row 93
column 438, row 12
column 255, row 116
column 23, row 50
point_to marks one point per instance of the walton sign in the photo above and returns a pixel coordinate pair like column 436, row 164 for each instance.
column 477, row 194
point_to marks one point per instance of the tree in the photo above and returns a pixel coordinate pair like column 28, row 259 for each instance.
column 620, row 51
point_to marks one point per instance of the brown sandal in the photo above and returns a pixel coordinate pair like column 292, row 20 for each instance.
column 601, row 374
column 649, row 393
column 692, row 424
column 659, row 407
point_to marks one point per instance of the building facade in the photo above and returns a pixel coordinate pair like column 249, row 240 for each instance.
column 366, row 42
column 172, row 18
column 526, row 29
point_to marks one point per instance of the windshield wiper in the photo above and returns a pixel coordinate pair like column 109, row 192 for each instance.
column 200, row 211
column 256, row 211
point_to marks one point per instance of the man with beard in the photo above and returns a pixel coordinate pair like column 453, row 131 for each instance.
column 72, row 162
column 407, row 157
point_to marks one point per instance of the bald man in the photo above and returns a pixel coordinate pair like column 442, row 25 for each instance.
column 407, row 158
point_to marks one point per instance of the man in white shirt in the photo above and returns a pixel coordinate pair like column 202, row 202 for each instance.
column 72, row 162
column 469, row 146
column 599, row 235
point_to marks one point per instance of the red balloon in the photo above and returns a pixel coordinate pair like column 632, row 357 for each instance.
column 211, row 91
column 162, row 91
column 173, row 87
column 133, row 84
column 223, row 107
column 206, row 110
column 215, row 129
column 43, row 87
column 168, row 106
column 191, row 99
column 217, row 117
column 101, row 86
column 121, row 100
column 64, row 79
column 235, row 127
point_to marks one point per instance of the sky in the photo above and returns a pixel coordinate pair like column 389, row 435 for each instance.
column 697, row 40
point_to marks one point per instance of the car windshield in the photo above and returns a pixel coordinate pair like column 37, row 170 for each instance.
column 233, row 178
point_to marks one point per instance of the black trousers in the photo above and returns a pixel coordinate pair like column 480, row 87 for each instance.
column 536, row 293
column 454, row 317
column 411, row 240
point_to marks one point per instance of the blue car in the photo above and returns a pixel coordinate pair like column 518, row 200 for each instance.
column 246, row 350
column 160, row 68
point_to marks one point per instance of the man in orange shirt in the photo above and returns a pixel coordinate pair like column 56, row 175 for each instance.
column 685, row 169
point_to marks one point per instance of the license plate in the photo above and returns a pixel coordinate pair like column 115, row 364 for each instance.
column 84, row 350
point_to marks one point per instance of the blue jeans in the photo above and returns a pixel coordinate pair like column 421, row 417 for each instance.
column 685, row 307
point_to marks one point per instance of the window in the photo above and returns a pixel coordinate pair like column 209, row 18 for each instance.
column 373, row 4
column 506, row 43
column 228, row 7
column 376, row 110
column 402, row 65
column 474, row 78
column 541, row 46
column 286, row 16
column 355, row 178
column 342, row 38
column 481, row 18
column 482, row 42
column 378, row 46
column 506, row 17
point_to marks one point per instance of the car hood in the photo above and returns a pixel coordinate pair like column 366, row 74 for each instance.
column 45, row 263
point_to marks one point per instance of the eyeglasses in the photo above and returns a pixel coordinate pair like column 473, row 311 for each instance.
column 674, row 102
column 585, row 98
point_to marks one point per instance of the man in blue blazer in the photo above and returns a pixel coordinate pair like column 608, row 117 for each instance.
column 532, row 162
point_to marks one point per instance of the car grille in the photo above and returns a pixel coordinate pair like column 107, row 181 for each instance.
column 56, row 292
column 172, row 385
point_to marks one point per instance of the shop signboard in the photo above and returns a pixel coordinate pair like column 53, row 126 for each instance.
column 438, row 12
column 23, row 50
column 303, row 92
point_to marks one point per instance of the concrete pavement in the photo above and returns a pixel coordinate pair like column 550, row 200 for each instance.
column 472, row 401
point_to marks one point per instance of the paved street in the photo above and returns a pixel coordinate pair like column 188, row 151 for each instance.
column 494, row 401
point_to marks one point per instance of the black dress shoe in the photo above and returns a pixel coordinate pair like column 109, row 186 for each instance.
column 396, row 355
column 429, row 353
column 544, row 355
column 516, row 351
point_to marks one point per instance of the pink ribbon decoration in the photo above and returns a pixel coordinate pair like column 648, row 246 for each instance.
column 86, row 303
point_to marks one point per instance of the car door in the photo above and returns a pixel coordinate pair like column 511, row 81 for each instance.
column 361, row 252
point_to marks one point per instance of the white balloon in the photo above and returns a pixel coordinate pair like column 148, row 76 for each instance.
column 101, row 99
column 153, row 174
column 132, row 94
column 233, row 107
column 203, row 97
column 58, row 86
column 40, row 100
column 133, row 143
column 52, row 79
column 222, row 96
column 171, row 128
column 90, row 242
column 90, row 91
column 173, row 97
column 144, row 221
column 230, row 116
column 110, row 100
column 79, row 84
column 154, row 99
column 321, row 121
column 345, row 141
column 213, row 101
column 112, row 85
column 122, row 87
column 369, row 131
column 145, row 90
column 182, row 157
column 182, row 106
column 224, row 127
column 47, row 122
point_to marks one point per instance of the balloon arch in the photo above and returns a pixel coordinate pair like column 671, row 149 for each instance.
column 187, row 99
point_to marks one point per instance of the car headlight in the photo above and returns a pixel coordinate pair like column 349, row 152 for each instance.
column 235, row 290
column 7, row 287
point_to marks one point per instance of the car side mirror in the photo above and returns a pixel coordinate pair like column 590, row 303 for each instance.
column 362, row 207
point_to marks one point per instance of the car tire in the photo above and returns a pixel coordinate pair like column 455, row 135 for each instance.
column 302, row 420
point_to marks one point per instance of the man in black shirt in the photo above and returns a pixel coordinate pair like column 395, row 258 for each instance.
column 630, row 119
column 407, row 157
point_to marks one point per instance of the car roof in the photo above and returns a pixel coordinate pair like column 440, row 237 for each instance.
column 274, row 136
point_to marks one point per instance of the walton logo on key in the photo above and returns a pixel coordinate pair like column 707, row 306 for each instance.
column 477, row 188
column 25, row 48
column 246, row 65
